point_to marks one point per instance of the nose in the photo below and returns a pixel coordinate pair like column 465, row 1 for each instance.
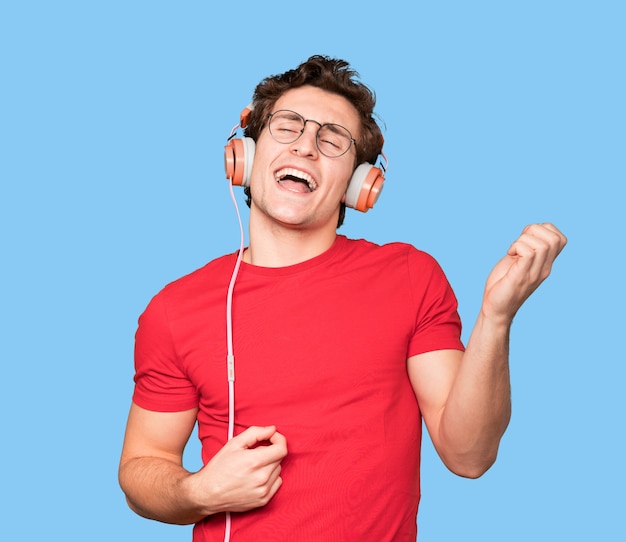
column 306, row 144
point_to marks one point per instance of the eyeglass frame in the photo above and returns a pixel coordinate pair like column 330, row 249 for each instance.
column 271, row 115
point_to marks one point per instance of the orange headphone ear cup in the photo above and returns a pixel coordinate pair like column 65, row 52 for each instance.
column 365, row 187
column 238, row 160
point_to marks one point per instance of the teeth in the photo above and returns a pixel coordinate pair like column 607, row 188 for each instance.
column 281, row 174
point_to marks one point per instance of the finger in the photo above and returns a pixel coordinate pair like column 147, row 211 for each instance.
column 562, row 240
column 549, row 233
column 275, row 481
column 548, row 242
column 524, row 257
column 279, row 440
column 253, row 435
column 274, row 475
column 542, row 239
column 275, row 452
column 534, row 254
column 266, row 491
column 552, row 227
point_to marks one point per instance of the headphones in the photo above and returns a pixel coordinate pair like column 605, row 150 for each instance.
column 363, row 190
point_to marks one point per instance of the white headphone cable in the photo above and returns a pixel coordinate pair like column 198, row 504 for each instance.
column 230, row 360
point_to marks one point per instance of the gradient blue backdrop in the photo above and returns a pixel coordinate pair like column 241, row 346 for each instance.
column 113, row 118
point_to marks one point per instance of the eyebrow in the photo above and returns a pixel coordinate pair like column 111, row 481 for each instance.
column 337, row 128
column 290, row 114
column 333, row 126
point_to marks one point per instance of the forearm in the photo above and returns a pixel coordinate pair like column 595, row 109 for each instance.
column 159, row 489
column 478, row 408
column 468, row 414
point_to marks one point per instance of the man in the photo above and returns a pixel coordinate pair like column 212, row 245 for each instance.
column 341, row 348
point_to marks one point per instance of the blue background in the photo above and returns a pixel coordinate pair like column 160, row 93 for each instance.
column 113, row 118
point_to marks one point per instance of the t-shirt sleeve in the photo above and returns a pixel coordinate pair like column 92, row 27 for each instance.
column 160, row 381
column 437, row 324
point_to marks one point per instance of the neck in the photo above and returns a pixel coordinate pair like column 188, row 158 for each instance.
column 281, row 246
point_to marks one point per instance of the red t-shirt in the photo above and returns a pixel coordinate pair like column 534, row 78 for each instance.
column 320, row 352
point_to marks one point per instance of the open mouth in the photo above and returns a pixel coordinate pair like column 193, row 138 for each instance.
column 295, row 180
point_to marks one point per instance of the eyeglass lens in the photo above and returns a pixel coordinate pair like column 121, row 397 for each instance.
column 333, row 140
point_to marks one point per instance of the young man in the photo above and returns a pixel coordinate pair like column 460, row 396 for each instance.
column 341, row 348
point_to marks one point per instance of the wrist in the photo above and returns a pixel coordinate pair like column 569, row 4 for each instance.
column 195, row 496
column 495, row 323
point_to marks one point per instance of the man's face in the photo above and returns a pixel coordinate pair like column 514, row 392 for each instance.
column 294, row 184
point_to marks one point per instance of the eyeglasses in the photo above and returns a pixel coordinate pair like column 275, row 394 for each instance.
column 332, row 140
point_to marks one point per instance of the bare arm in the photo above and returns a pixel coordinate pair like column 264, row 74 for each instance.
column 241, row 476
column 465, row 398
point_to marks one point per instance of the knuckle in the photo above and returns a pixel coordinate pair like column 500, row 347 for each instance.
column 263, row 494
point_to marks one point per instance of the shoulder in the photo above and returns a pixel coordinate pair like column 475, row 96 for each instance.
column 397, row 264
column 202, row 280
column 398, row 252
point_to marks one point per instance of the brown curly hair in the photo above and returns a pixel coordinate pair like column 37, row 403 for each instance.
column 329, row 74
